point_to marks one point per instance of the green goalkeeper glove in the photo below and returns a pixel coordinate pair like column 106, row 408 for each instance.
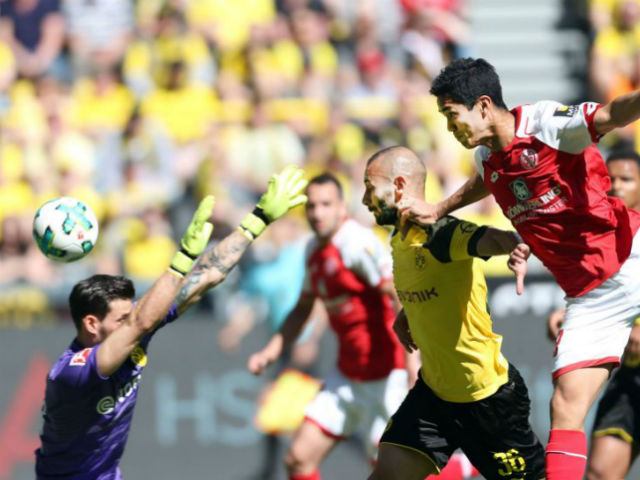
column 284, row 192
column 195, row 239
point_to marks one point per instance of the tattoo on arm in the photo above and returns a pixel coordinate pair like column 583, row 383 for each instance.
column 223, row 257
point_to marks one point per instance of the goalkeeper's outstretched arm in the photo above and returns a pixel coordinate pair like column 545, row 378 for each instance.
column 211, row 269
column 283, row 193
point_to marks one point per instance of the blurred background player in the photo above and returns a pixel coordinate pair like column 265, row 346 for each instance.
column 269, row 288
column 542, row 166
column 615, row 435
column 92, row 388
column 349, row 270
column 467, row 394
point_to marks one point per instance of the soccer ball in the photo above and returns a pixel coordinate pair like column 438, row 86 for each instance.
column 65, row 229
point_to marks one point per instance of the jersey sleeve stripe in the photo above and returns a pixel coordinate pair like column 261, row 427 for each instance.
column 472, row 246
column 440, row 242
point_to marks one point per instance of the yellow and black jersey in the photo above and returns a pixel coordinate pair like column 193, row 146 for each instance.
column 444, row 295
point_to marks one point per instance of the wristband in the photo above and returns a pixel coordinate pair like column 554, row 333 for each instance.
column 254, row 223
column 182, row 262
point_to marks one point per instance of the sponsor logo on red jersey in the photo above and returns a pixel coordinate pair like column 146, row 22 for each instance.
column 520, row 189
column 80, row 358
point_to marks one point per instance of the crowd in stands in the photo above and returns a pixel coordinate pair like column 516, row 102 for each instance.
column 140, row 108
column 615, row 56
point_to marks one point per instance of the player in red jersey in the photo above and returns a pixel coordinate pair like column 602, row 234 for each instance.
column 540, row 163
column 616, row 428
column 349, row 269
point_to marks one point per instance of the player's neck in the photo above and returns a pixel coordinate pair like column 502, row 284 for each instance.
column 86, row 340
column 503, row 131
column 326, row 240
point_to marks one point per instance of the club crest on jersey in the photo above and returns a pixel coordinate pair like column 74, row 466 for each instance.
column 80, row 358
column 520, row 189
column 529, row 159
column 420, row 260
column 494, row 176
column 467, row 227
column 139, row 356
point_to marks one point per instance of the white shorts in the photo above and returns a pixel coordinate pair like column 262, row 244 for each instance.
column 597, row 324
column 343, row 405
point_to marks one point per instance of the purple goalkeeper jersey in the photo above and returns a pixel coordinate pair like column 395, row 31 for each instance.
column 87, row 416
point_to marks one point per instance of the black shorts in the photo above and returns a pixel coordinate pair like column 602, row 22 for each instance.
column 618, row 411
column 494, row 432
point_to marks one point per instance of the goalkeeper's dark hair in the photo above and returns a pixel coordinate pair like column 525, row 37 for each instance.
column 92, row 295
column 465, row 80
column 627, row 154
column 325, row 178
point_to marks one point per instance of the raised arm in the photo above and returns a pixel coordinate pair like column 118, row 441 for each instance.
column 284, row 192
column 151, row 309
column 422, row 213
column 211, row 269
column 620, row 112
column 497, row 242
column 285, row 337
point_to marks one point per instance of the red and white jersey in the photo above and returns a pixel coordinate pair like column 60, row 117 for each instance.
column 552, row 183
column 346, row 273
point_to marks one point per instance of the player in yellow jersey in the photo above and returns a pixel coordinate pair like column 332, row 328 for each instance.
column 468, row 396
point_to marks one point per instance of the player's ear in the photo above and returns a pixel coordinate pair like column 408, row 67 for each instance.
column 400, row 184
column 91, row 324
column 484, row 102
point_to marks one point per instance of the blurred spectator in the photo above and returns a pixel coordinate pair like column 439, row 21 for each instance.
column 435, row 32
column 257, row 150
column 149, row 246
column 601, row 13
column 20, row 259
column 99, row 31
column 373, row 100
column 615, row 62
column 100, row 104
column 34, row 29
column 147, row 58
column 7, row 73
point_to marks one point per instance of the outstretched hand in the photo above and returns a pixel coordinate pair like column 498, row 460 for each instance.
column 517, row 263
column 195, row 238
column 284, row 192
column 257, row 363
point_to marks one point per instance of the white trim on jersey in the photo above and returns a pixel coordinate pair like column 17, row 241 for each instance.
column 561, row 127
column 361, row 251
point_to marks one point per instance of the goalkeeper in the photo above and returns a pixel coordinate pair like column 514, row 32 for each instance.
column 93, row 386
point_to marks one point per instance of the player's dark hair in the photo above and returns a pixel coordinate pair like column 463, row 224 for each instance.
column 92, row 295
column 465, row 80
column 325, row 178
column 624, row 154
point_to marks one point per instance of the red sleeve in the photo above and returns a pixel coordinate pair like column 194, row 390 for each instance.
column 589, row 110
